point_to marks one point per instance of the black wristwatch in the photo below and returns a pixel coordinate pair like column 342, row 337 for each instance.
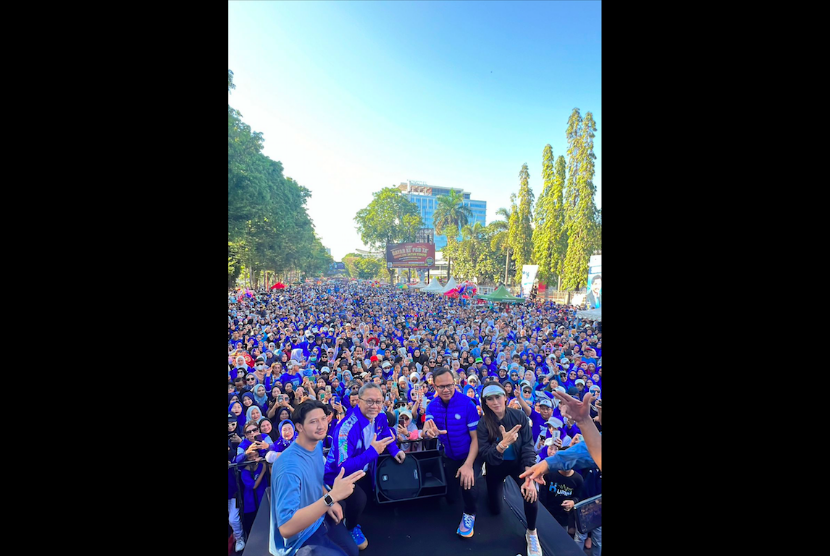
column 328, row 499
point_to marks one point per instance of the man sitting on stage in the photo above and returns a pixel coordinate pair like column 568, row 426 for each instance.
column 453, row 418
column 358, row 441
column 299, row 499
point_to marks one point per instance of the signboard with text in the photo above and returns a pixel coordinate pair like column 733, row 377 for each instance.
column 410, row 255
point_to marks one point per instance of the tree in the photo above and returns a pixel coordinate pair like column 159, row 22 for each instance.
column 268, row 225
column 389, row 218
column 550, row 239
column 521, row 233
column 449, row 217
column 500, row 236
column 582, row 217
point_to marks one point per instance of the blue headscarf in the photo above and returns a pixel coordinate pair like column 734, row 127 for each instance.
column 282, row 441
column 262, row 401
column 475, row 397
column 240, row 419
column 248, row 413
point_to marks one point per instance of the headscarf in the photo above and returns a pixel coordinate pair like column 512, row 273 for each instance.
column 475, row 397
column 240, row 419
column 262, row 401
column 279, row 417
column 266, row 436
column 532, row 399
column 282, row 441
column 250, row 409
column 410, row 428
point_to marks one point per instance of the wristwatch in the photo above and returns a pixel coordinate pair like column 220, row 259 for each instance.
column 328, row 499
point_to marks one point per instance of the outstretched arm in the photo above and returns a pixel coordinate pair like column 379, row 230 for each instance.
column 580, row 411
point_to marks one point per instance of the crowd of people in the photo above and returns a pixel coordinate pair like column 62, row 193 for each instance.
column 324, row 378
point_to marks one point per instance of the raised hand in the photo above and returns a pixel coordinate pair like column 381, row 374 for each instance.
column 344, row 486
column 509, row 437
column 579, row 411
column 431, row 429
column 380, row 445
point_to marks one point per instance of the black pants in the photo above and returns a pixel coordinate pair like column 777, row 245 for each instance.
column 451, row 467
column 248, row 522
column 329, row 539
column 354, row 505
column 495, row 487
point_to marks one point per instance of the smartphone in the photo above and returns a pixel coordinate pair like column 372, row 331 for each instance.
column 328, row 388
column 279, row 398
column 258, row 437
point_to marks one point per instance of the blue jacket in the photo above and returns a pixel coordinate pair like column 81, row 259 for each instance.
column 349, row 449
column 576, row 457
column 458, row 418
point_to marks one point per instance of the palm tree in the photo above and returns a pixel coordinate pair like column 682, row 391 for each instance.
column 501, row 235
column 449, row 216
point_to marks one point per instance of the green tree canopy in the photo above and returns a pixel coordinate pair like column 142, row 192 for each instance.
column 550, row 239
column 581, row 215
column 522, row 234
column 389, row 218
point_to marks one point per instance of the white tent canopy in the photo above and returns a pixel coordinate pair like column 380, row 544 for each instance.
column 419, row 285
column 450, row 285
column 433, row 287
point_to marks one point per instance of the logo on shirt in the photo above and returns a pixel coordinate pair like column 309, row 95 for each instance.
column 457, row 416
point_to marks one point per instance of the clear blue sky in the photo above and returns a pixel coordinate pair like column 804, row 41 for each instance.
column 355, row 96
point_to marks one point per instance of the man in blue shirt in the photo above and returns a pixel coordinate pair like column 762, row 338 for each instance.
column 453, row 418
column 304, row 514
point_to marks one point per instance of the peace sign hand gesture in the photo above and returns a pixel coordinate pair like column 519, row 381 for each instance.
column 509, row 437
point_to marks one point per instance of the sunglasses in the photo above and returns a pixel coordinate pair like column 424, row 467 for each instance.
column 252, row 431
column 251, row 379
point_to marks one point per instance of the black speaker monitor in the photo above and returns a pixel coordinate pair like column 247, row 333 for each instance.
column 398, row 481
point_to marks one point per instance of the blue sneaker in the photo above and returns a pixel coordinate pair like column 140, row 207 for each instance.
column 358, row 537
column 465, row 528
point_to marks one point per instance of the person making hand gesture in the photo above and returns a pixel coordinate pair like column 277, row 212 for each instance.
column 358, row 441
column 304, row 513
column 506, row 445
column 452, row 417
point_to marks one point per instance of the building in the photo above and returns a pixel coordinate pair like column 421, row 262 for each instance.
column 425, row 198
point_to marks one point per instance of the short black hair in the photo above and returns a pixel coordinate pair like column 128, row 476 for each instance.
column 299, row 414
column 596, row 277
column 440, row 371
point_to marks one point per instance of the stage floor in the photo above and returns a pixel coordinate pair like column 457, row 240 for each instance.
column 426, row 527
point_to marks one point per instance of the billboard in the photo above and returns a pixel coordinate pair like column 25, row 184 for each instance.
column 528, row 276
column 410, row 255
column 593, row 299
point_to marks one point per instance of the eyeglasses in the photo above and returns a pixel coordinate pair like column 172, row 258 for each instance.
column 250, row 378
column 444, row 386
column 251, row 431
column 370, row 403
